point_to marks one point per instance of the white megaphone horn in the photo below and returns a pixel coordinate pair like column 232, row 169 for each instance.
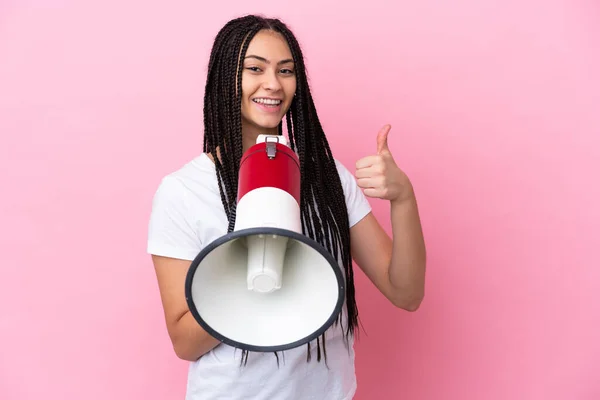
column 266, row 286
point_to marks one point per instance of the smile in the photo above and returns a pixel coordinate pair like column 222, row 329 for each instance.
column 269, row 106
column 267, row 102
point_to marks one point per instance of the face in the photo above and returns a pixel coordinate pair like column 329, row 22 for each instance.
column 268, row 82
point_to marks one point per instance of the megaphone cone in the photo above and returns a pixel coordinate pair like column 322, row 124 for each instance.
column 266, row 286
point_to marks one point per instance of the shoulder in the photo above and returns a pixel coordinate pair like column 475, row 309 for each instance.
column 344, row 172
column 192, row 178
column 347, row 178
column 356, row 202
column 183, row 208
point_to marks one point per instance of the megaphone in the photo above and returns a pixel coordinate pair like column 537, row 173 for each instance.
column 266, row 286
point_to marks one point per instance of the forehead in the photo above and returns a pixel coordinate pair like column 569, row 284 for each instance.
column 270, row 45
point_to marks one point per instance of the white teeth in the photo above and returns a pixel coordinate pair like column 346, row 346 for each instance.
column 267, row 101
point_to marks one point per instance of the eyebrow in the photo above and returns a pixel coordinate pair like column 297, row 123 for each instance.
column 288, row 60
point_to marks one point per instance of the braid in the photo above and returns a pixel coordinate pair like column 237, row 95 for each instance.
column 324, row 214
column 318, row 173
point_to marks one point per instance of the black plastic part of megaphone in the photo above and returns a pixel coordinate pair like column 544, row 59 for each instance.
column 266, row 231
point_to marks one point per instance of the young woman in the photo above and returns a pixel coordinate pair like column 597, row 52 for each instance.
column 257, row 84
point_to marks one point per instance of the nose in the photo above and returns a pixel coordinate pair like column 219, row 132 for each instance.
column 271, row 81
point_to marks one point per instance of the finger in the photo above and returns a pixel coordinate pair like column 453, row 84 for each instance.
column 382, row 139
column 367, row 162
column 371, row 182
column 368, row 172
column 372, row 192
column 366, row 183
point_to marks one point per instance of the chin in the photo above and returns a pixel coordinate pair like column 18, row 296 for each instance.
column 266, row 124
column 262, row 120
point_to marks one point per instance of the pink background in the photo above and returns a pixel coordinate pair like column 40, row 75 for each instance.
column 495, row 108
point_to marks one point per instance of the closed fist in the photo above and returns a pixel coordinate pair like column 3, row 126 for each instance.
column 379, row 176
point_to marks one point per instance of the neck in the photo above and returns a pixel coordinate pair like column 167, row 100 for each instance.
column 251, row 132
column 249, row 135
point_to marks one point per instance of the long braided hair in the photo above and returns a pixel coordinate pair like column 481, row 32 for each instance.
column 323, row 208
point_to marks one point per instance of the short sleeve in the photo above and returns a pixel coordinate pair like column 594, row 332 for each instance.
column 356, row 202
column 171, row 230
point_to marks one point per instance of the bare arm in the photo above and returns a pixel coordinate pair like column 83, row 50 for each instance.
column 189, row 340
column 395, row 266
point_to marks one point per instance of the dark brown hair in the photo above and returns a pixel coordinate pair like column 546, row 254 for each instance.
column 323, row 207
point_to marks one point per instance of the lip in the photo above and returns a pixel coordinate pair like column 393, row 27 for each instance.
column 267, row 97
column 266, row 108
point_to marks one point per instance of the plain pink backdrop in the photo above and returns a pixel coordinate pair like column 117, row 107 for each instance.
column 495, row 113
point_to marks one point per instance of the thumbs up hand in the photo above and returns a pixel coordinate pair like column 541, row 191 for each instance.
column 379, row 176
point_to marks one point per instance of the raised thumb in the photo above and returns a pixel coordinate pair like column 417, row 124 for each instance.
column 382, row 139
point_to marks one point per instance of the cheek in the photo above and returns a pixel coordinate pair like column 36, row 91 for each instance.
column 246, row 93
column 293, row 87
column 248, row 86
column 290, row 90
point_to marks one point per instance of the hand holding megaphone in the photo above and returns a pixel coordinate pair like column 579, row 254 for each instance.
column 379, row 176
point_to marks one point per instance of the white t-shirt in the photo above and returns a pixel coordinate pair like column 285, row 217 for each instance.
column 187, row 214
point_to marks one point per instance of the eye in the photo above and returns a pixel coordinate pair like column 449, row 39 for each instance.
column 287, row 71
column 253, row 69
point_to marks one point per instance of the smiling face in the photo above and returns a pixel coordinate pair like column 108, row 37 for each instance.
column 268, row 84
